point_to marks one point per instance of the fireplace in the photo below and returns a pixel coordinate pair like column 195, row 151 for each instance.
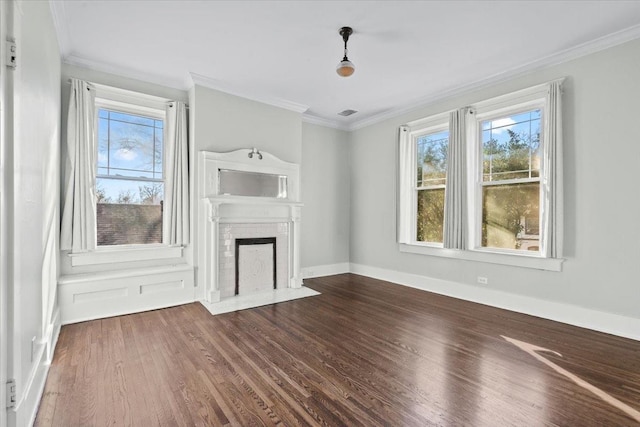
column 244, row 196
column 255, row 264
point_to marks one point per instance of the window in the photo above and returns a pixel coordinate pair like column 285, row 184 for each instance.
column 431, row 170
column 130, row 176
column 510, row 184
column 126, row 187
column 491, row 158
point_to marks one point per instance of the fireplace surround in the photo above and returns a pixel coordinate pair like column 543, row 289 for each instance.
column 263, row 202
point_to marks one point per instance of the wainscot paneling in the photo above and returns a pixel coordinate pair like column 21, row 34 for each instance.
column 93, row 296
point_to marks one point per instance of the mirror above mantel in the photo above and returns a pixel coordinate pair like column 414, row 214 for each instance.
column 238, row 175
column 251, row 184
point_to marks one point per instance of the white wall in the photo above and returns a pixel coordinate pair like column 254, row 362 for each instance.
column 602, row 207
column 34, row 217
column 325, row 194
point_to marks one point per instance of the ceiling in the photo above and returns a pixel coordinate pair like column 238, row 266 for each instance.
column 285, row 52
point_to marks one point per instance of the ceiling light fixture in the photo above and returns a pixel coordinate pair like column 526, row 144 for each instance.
column 345, row 68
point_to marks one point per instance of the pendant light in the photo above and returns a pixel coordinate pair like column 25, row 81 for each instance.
column 345, row 68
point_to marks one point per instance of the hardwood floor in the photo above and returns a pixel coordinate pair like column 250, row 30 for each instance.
column 364, row 353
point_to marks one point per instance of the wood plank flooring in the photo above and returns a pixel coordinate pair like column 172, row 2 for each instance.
column 364, row 353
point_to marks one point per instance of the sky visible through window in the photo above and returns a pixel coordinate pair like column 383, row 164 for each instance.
column 129, row 161
column 511, row 146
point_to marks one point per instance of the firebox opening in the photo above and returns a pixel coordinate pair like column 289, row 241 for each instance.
column 256, row 264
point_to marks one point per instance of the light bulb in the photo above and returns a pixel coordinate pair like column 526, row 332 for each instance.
column 345, row 68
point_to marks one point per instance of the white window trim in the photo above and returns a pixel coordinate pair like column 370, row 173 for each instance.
column 135, row 103
column 438, row 124
column 125, row 253
column 487, row 110
column 529, row 98
column 123, row 96
column 492, row 257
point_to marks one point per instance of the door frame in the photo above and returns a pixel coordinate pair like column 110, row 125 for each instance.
column 4, row 258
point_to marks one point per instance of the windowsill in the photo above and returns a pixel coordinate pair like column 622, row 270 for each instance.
column 516, row 260
column 117, row 254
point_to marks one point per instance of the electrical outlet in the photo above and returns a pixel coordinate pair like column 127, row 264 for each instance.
column 483, row 280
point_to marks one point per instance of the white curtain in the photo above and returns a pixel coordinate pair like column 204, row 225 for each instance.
column 455, row 194
column 78, row 228
column 552, row 182
column 405, row 185
column 176, row 204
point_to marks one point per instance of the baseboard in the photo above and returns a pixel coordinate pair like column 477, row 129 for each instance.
column 325, row 270
column 623, row 326
column 27, row 408
column 53, row 332
column 96, row 296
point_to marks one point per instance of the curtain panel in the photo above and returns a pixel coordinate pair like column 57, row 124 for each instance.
column 552, row 214
column 176, row 206
column 78, row 228
column 455, row 193
column 405, row 186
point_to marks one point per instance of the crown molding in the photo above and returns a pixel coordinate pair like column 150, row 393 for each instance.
column 79, row 61
column 321, row 121
column 584, row 49
column 199, row 79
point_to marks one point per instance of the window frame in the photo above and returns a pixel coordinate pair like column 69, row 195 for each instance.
column 131, row 109
column 520, row 101
column 129, row 102
column 415, row 135
column 474, row 136
column 432, row 124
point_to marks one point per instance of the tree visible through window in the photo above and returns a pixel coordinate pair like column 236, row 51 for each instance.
column 431, row 155
column 511, row 181
column 130, row 178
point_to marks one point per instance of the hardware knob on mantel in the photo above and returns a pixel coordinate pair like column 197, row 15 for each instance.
column 256, row 152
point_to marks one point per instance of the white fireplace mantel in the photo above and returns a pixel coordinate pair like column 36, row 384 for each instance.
column 218, row 209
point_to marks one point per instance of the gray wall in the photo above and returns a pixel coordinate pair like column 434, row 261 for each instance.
column 224, row 122
column 602, row 206
column 325, row 194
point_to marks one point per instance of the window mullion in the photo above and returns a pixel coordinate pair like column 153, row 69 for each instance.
column 509, row 181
